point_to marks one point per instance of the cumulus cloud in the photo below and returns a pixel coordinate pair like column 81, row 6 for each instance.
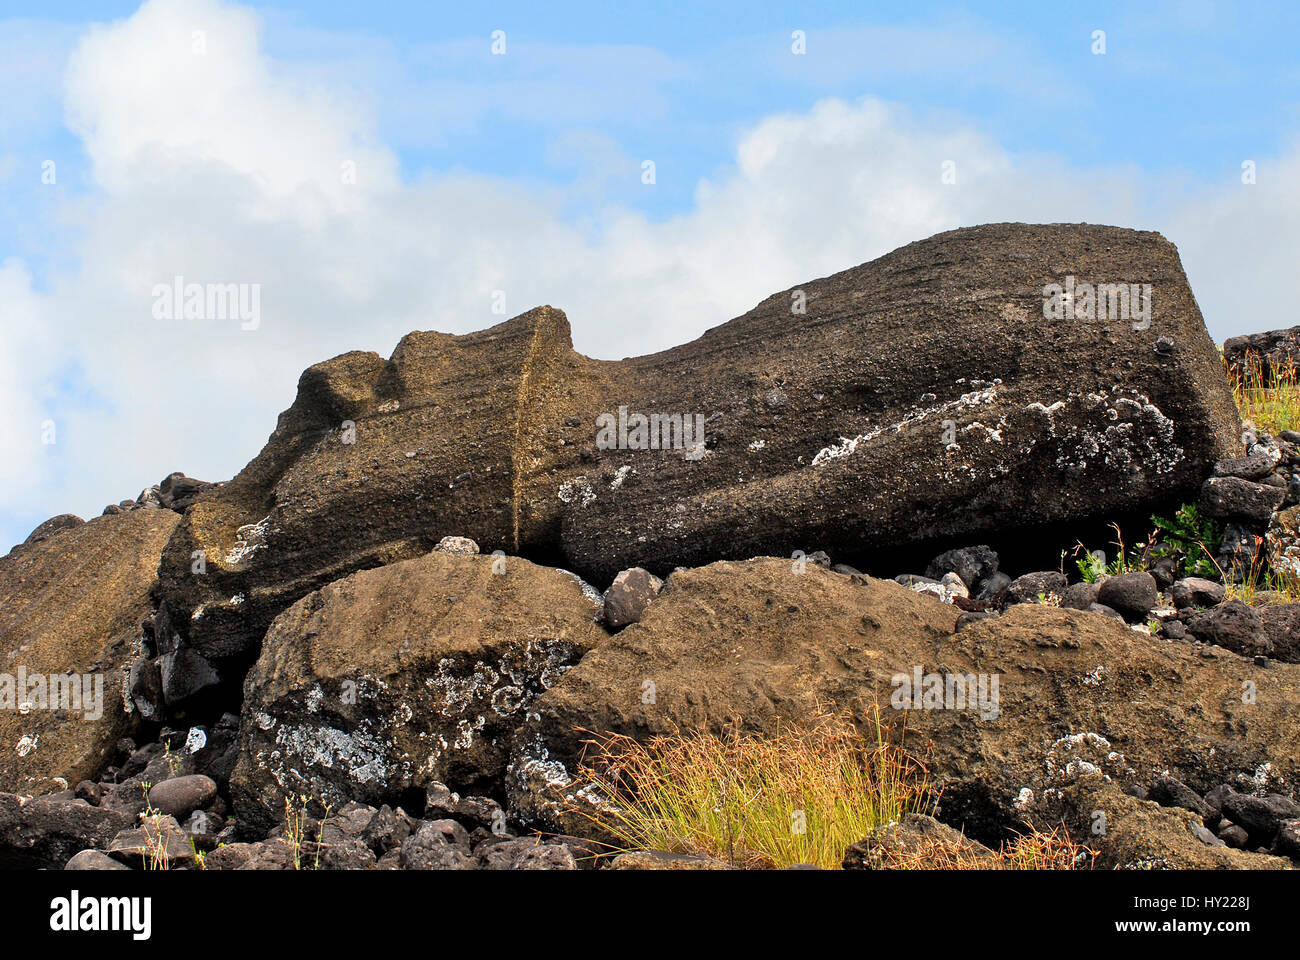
column 213, row 162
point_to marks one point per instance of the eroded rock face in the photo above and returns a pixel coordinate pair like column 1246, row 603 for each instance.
column 71, row 605
column 392, row 679
column 757, row 643
column 920, row 396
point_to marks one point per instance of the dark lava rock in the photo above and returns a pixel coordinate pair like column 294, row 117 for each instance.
column 994, row 588
column 629, row 595
column 1255, row 467
column 1196, row 592
column 1232, row 625
column 1080, row 596
column 1132, row 594
column 1282, row 629
column 44, row 834
column 1263, row 353
column 1231, row 498
column 973, row 564
column 1262, row 817
column 1169, row 792
column 1028, row 588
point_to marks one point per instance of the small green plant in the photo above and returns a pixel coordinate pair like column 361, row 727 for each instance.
column 1189, row 538
column 295, row 829
column 155, row 850
column 1092, row 564
column 173, row 762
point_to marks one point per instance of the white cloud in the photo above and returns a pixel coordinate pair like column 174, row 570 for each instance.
column 224, row 167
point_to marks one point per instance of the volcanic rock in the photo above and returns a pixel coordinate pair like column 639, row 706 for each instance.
column 753, row 645
column 1232, row 625
column 1235, row 499
column 1132, row 594
column 44, row 834
column 70, row 613
column 391, row 679
column 629, row 595
column 778, row 429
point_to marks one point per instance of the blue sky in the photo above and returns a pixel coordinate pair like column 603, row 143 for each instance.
column 524, row 171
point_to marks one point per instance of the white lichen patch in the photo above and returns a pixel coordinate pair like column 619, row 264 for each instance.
column 984, row 394
column 620, row 475
column 359, row 755
column 578, row 490
column 588, row 591
column 249, row 539
column 1083, row 753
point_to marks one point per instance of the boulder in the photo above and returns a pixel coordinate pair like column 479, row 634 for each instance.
column 41, row 833
column 1261, row 817
column 1132, row 594
column 973, row 564
column 181, row 796
column 178, row 492
column 70, row 613
column 1281, row 623
column 158, row 842
column 1196, row 592
column 629, row 595
column 509, row 436
column 1031, row 586
column 1232, row 625
column 1169, row 792
column 751, row 643
column 525, row 853
column 461, row 545
column 391, row 679
column 94, row 860
column 1080, row 596
column 1255, row 467
column 438, row 845
column 1231, row 498
column 1132, row 834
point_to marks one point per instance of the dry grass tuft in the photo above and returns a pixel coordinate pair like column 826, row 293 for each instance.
column 1267, row 394
column 800, row 796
